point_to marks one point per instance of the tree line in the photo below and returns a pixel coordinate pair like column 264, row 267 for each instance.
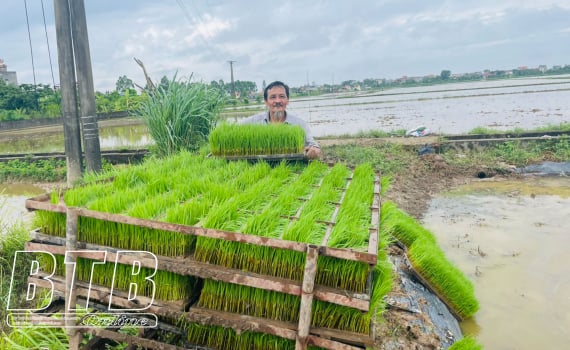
column 28, row 101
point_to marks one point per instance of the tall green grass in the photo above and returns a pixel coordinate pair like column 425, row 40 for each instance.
column 180, row 116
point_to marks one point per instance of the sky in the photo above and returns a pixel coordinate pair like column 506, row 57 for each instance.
column 296, row 41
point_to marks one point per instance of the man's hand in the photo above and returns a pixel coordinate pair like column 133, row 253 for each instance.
column 312, row 152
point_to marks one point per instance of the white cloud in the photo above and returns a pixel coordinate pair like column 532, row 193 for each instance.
column 295, row 39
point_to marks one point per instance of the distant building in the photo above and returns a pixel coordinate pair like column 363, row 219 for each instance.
column 9, row 77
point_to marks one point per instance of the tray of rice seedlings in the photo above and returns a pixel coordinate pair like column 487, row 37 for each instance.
column 444, row 278
column 429, row 262
column 258, row 141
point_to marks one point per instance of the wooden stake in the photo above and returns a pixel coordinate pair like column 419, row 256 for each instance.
column 307, row 297
column 71, row 245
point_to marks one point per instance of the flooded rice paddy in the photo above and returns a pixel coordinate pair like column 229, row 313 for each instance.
column 511, row 238
column 454, row 108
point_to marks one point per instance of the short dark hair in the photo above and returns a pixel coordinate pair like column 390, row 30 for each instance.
column 274, row 84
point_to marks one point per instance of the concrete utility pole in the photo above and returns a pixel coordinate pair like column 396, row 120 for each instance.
column 73, row 47
column 86, row 90
column 71, row 129
column 232, row 77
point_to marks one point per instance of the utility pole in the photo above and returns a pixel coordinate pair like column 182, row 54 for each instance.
column 86, row 90
column 71, row 129
column 232, row 77
column 74, row 56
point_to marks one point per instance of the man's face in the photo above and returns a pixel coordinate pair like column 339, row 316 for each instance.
column 277, row 100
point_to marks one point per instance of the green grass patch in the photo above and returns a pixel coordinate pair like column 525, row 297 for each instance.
column 33, row 170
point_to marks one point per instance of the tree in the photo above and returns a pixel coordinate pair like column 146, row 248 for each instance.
column 123, row 84
column 445, row 74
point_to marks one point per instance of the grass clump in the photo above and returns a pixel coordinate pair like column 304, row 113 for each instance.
column 180, row 115
column 256, row 139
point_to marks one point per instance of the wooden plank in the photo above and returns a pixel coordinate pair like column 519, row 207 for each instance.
column 129, row 339
column 188, row 266
column 345, row 254
column 306, row 307
column 330, row 344
column 375, row 220
column 349, row 254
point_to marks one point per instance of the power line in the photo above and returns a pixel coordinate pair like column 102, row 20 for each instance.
column 30, row 41
column 47, row 40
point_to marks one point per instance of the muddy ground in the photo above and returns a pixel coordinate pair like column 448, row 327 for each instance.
column 412, row 192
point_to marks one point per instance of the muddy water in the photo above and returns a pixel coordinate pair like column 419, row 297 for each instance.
column 511, row 239
column 12, row 202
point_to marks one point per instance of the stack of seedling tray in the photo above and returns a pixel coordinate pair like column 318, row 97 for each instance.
column 250, row 255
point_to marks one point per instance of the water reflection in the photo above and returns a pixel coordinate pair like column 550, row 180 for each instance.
column 511, row 239
column 51, row 139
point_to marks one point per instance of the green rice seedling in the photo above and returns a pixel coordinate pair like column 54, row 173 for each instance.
column 344, row 274
column 232, row 214
column 449, row 282
column 354, row 216
column 340, row 317
column 348, row 319
column 467, row 343
column 116, row 203
column 50, row 223
column 48, row 265
column 400, row 225
column 217, row 337
column 250, row 301
column 256, row 139
column 169, row 286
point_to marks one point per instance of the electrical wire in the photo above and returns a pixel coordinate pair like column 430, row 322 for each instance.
column 48, row 49
column 30, row 41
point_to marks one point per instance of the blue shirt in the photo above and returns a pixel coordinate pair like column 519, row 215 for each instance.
column 291, row 119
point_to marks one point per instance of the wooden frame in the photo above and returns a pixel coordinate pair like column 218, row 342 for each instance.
column 302, row 333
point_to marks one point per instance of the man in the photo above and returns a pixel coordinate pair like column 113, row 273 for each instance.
column 276, row 96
